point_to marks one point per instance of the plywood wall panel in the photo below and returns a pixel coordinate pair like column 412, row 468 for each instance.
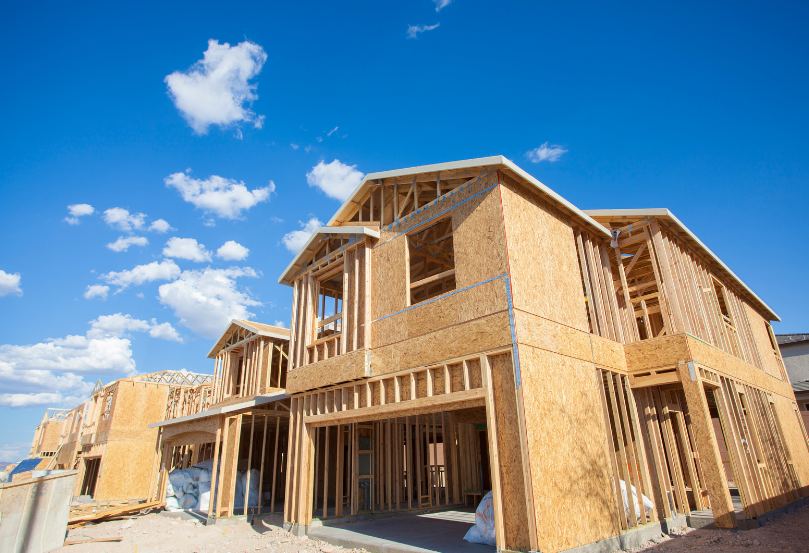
column 454, row 309
column 666, row 351
column 343, row 368
column 477, row 225
column 761, row 338
column 545, row 274
column 126, row 471
column 552, row 336
column 794, row 438
column 484, row 334
column 512, row 479
column 388, row 281
column 573, row 498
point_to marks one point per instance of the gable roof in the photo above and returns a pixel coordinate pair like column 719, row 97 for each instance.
column 261, row 329
column 691, row 238
column 313, row 243
column 491, row 162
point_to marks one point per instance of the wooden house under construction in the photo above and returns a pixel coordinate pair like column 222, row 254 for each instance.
column 107, row 438
column 239, row 419
column 460, row 327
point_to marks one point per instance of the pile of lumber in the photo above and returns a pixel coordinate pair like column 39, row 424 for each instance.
column 98, row 512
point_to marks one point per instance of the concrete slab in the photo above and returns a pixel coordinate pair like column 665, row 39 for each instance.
column 440, row 532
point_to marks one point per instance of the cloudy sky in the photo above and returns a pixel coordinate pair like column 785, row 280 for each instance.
column 160, row 164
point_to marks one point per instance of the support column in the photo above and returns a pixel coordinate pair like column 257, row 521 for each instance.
column 711, row 461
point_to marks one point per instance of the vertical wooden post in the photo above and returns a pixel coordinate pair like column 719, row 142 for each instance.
column 261, row 470
column 494, row 455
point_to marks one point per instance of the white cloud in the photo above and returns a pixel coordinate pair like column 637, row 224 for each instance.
column 545, row 153
column 226, row 198
column 296, row 239
column 413, row 31
column 96, row 291
column 331, row 132
column 294, row 146
column 51, row 372
column 206, row 300
column 163, row 270
column 118, row 325
column 121, row 219
column 216, row 89
column 440, row 4
column 186, row 248
column 122, row 244
column 78, row 210
column 336, row 179
column 10, row 283
column 164, row 331
column 162, row 226
column 281, row 324
column 232, row 251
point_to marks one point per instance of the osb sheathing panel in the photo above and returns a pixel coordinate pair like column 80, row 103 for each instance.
column 656, row 353
column 389, row 283
column 719, row 361
column 126, row 470
column 207, row 424
column 342, row 368
column 138, row 405
column 794, row 438
column 552, row 336
column 545, row 275
column 761, row 339
column 67, row 453
column 462, row 307
column 512, row 479
column 480, row 250
column 50, row 435
column 482, row 334
column 573, row 499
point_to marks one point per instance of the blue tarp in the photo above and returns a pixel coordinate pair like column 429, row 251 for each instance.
column 24, row 466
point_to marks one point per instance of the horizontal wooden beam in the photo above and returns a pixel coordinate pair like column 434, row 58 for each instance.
column 433, row 278
column 420, row 406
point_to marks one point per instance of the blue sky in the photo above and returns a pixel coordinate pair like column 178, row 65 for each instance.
column 698, row 107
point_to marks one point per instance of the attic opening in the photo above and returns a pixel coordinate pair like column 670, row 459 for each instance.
column 431, row 261
column 330, row 305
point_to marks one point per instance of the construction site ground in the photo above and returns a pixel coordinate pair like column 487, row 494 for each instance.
column 154, row 533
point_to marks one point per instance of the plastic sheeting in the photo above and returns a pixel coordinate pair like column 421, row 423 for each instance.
column 648, row 504
column 483, row 530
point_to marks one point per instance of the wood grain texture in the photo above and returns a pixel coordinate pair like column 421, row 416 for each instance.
column 484, row 334
column 478, row 239
column 545, row 274
column 343, row 368
column 388, row 282
column 573, row 499
column 552, row 336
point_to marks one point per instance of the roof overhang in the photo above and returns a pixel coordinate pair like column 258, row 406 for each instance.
column 311, row 246
column 491, row 162
column 663, row 213
column 257, row 328
column 258, row 400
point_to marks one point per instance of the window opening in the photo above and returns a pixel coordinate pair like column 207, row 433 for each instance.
column 727, row 319
column 330, row 305
column 432, row 261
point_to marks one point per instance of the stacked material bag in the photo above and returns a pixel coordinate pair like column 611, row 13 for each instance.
column 483, row 530
column 191, row 489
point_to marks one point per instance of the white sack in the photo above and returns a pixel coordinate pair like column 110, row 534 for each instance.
column 483, row 530
column 648, row 504
column 193, row 472
column 190, row 488
column 170, row 491
column 178, row 479
column 253, row 492
column 188, row 501
column 204, row 496
column 207, row 465
column 204, row 475
column 238, row 495
column 173, row 504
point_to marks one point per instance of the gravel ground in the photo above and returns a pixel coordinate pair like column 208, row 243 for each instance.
column 156, row 533
column 789, row 532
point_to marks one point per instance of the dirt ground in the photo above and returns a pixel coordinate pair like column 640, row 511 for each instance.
column 157, row 533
